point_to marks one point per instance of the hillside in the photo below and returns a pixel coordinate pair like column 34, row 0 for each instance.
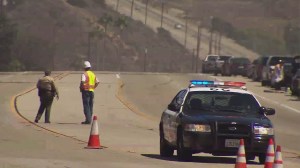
column 260, row 14
column 260, row 25
column 60, row 34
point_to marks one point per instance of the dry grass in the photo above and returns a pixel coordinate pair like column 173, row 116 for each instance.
column 54, row 34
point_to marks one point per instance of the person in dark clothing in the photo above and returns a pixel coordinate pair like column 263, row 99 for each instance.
column 47, row 90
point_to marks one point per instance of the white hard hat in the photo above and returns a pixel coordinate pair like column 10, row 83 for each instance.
column 87, row 64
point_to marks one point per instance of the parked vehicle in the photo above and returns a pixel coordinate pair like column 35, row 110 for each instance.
column 235, row 66
column 295, row 64
column 178, row 26
column 269, row 67
column 295, row 84
column 208, row 64
column 250, row 69
column 258, row 67
column 219, row 63
column 287, row 74
column 292, row 76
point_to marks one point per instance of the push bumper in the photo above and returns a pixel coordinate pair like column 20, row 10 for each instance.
column 215, row 144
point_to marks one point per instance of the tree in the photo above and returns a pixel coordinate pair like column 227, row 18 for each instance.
column 292, row 38
column 16, row 65
column 121, row 23
column 96, row 34
column 106, row 20
column 101, row 3
column 7, row 38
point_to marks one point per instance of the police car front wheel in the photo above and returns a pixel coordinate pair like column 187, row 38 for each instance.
column 183, row 154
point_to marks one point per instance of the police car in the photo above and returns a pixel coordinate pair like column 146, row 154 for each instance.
column 211, row 117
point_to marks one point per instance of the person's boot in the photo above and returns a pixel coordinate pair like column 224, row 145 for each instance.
column 37, row 118
column 47, row 119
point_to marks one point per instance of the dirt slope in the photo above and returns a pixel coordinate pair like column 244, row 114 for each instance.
column 54, row 34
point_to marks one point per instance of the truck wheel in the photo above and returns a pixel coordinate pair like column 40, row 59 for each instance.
column 164, row 148
column 182, row 153
column 294, row 93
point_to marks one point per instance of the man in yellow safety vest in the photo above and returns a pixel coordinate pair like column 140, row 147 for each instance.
column 88, row 83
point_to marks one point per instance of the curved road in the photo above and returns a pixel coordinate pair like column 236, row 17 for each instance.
column 128, row 106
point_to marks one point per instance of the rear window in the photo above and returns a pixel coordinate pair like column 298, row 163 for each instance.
column 212, row 58
column 240, row 61
column 224, row 58
column 276, row 60
column 216, row 101
column 288, row 60
column 264, row 60
column 298, row 72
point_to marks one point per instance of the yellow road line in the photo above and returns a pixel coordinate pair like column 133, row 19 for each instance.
column 14, row 109
column 130, row 106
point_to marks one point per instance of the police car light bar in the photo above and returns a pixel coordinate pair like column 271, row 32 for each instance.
column 202, row 82
column 237, row 84
column 216, row 83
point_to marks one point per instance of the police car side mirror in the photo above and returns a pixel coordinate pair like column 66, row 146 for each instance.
column 173, row 107
column 266, row 111
column 179, row 100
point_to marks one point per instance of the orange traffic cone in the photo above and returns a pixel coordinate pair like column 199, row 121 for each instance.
column 270, row 155
column 278, row 163
column 241, row 156
column 94, row 141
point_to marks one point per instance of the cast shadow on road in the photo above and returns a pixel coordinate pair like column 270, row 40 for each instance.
column 201, row 159
column 286, row 94
column 67, row 123
column 293, row 97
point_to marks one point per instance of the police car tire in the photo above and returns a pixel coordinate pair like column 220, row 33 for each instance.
column 250, row 157
column 182, row 153
column 165, row 149
column 262, row 158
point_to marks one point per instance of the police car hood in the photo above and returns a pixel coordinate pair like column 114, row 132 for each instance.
column 245, row 118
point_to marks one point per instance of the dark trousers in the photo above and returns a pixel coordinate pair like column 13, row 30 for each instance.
column 45, row 105
column 88, row 102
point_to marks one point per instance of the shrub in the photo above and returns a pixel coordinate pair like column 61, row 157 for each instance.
column 78, row 3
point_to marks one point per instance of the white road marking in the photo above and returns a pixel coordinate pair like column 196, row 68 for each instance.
column 118, row 76
column 291, row 108
column 280, row 104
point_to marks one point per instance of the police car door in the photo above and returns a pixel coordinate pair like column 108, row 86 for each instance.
column 171, row 114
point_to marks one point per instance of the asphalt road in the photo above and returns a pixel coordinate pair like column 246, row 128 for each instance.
column 128, row 106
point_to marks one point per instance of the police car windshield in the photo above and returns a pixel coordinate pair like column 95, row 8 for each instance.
column 220, row 101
